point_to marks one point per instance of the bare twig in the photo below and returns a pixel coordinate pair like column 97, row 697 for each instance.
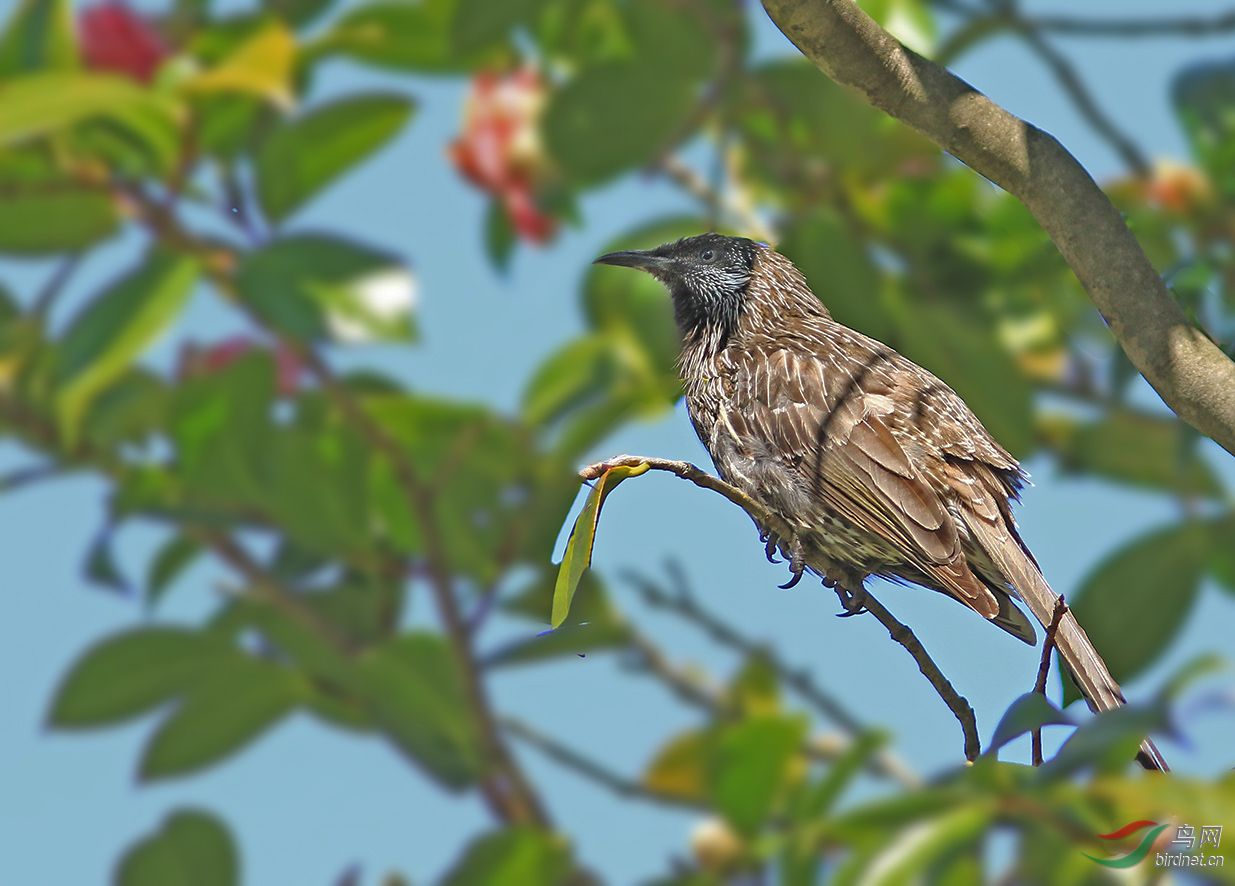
column 55, row 285
column 1044, row 670
column 674, row 168
column 592, row 769
column 683, row 603
column 14, row 480
column 1187, row 369
column 1151, row 26
column 769, row 520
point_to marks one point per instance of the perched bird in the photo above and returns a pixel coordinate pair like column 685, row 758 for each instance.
column 878, row 465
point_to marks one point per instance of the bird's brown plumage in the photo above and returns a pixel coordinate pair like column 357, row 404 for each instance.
column 879, row 465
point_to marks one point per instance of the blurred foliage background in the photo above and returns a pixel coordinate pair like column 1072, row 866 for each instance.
column 386, row 551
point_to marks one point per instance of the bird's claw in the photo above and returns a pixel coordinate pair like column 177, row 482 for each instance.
column 797, row 565
column 850, row 601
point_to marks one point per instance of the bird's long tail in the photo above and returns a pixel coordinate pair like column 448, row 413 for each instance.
column 1075, row 648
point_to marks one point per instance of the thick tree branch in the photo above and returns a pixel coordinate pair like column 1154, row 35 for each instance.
column 769, row 520
column 1182, row 364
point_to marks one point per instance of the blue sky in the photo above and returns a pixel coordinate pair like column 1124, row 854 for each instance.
column 307, row 802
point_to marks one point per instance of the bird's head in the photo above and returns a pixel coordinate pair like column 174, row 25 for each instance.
column 707, row 275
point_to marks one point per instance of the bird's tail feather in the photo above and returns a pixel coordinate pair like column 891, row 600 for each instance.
column 1075, row 648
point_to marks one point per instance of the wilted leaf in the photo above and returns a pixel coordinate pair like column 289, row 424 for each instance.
column 115, row 328
column 1134, row 602
column 38, row 35
column 314, row 287
column 230, row 706
column 130, row 673
column 578, row 554
column 192, row 848
column 1031, row 711
column 519, row 854
column 303, row 156
column 415, row 691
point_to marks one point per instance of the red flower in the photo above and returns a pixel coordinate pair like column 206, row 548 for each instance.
column 113, row 38
column 499, row 150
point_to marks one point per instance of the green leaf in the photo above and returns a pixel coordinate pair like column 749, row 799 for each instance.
column 1109, row 740
column 750, row 766
column 299, row 12
column 903, row 856
column 594, row 624
column 578, row 554
column 520, row 854
column 37, row 221
column 39, row 104
column 500, row 237
column 176, row 555
column 101, row 567
column 416, row 693
column 115, row 328
column 231, row 705
column 301, row 157
column 403, row 36
column 38, row 35
column 1134, row 448
column 614, row 117
column 192, row 848
column 1029, row 712
column 1204, row 96
column 839, row 269
column 314, row 287
column 956, row 346
column 130, row 673
column 581, row 370
column 819, row 799
column 1135, row 601
column 479, row 24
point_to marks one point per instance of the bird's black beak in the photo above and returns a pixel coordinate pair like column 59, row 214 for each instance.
column 645, row 260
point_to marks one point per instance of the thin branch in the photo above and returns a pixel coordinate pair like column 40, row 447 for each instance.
column 769, row 520
column 506, row 789
column 14, row 480
column 55, row 285
column 675, row 169
column 1187, row 369
column 594, row 770
column 1044, row 670
column 683, row 604
column 1148, row 27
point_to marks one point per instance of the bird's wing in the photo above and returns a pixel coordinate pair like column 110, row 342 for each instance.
column 835, row 424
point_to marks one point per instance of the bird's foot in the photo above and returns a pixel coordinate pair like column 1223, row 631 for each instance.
column 850, row 601
column 771, row 543
column 797, row 564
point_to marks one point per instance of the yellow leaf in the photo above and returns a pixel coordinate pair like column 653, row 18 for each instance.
column 681, row 766
column 261, row 66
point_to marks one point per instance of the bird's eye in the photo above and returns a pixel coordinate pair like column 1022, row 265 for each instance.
column 708, row 255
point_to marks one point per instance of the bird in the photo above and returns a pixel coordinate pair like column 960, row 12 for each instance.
column 878, row 466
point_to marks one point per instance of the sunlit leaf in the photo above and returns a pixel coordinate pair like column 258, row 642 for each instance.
column 303, row 156
column 229, row 707
column 262, row 65
column 38, row 35
column 314, row 287
column 415, row 691
column 115, row 328
column 36, row 105
column 518, row 854
column 1135, row 601
column 906, row 853
column 750, row 764
column 191, row 848
column 130, row 673
column 578, row 554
